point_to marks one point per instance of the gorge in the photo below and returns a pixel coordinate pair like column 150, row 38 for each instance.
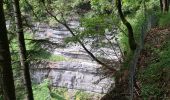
column 77, row 70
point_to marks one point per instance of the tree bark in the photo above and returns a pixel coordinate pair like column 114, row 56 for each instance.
column 22, row 49
column 120, row 91
column 6, row 74
column 161, row 5
column 164, row 4
column 131, row 39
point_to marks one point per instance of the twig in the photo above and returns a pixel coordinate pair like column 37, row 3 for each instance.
column 111, row 44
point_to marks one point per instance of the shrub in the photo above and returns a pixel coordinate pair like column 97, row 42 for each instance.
column 45, row 91
column 156, row 74
column 164, row 20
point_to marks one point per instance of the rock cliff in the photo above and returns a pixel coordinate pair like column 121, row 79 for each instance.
column 79, row 71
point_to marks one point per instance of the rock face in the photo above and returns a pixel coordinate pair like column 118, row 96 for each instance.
column 73, row 75
column 80, row 71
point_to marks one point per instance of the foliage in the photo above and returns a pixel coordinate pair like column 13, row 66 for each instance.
column 34, row 50
column 137, row 24
column 130, row 6
column 96, row 25
column 156, row 73
column 44, row 55
column 60, row 8
column 101, row 16
column 137, row 20
column 45, row 91
column 41, row 91
column 102, row 6
column 1, row 98
column 93, row 27
column 164, row 20
column 81, row 96
column 123, row 40
column 148, row 90
column 153, row 5
column 154, row 77
column 136, row 17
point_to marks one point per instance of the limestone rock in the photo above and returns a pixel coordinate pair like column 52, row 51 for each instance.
column 81, row 72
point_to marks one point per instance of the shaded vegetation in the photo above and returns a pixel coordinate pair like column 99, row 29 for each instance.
column 154, row 65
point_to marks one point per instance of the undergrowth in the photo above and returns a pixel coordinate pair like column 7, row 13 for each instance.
column 44, row 55
column 155, row 76
column 45, row 91
column 164, row 20
column 35, row 52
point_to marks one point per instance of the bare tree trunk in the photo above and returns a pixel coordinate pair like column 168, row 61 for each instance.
column 120, row 91
column 161, row 5
column 6, row 74
column 22, row 49
column 164, row 4
column 132, row 42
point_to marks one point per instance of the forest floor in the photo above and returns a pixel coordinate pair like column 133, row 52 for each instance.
column 153, row 67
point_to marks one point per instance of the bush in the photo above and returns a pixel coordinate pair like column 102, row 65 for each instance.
column 45, row 91
column 156, row 74
column 82, row 96
column 164, row 20
column 1, row 98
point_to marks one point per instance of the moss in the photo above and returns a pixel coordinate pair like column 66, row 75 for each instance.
column 44, row 55
column 44, row 91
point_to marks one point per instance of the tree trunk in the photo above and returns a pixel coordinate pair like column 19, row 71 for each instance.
column 161, row 5
column 120, row 91
column 164, row 4
column 22, row 49
column 131, row 39
column 6, row 78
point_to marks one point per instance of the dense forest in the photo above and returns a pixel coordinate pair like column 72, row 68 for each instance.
column 84, row 50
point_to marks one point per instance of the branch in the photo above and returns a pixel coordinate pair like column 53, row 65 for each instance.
column 32, row 10
column 80, row 42
column 111, row 44
column 121, row 30
column 43, row 40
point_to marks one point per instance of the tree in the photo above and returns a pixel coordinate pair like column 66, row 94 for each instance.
column 164, row 5
column 131, row 39
column 22, row 49
column 6, row 77
column 64, row 23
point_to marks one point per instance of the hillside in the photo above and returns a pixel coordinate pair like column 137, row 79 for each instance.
column 153, row 70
